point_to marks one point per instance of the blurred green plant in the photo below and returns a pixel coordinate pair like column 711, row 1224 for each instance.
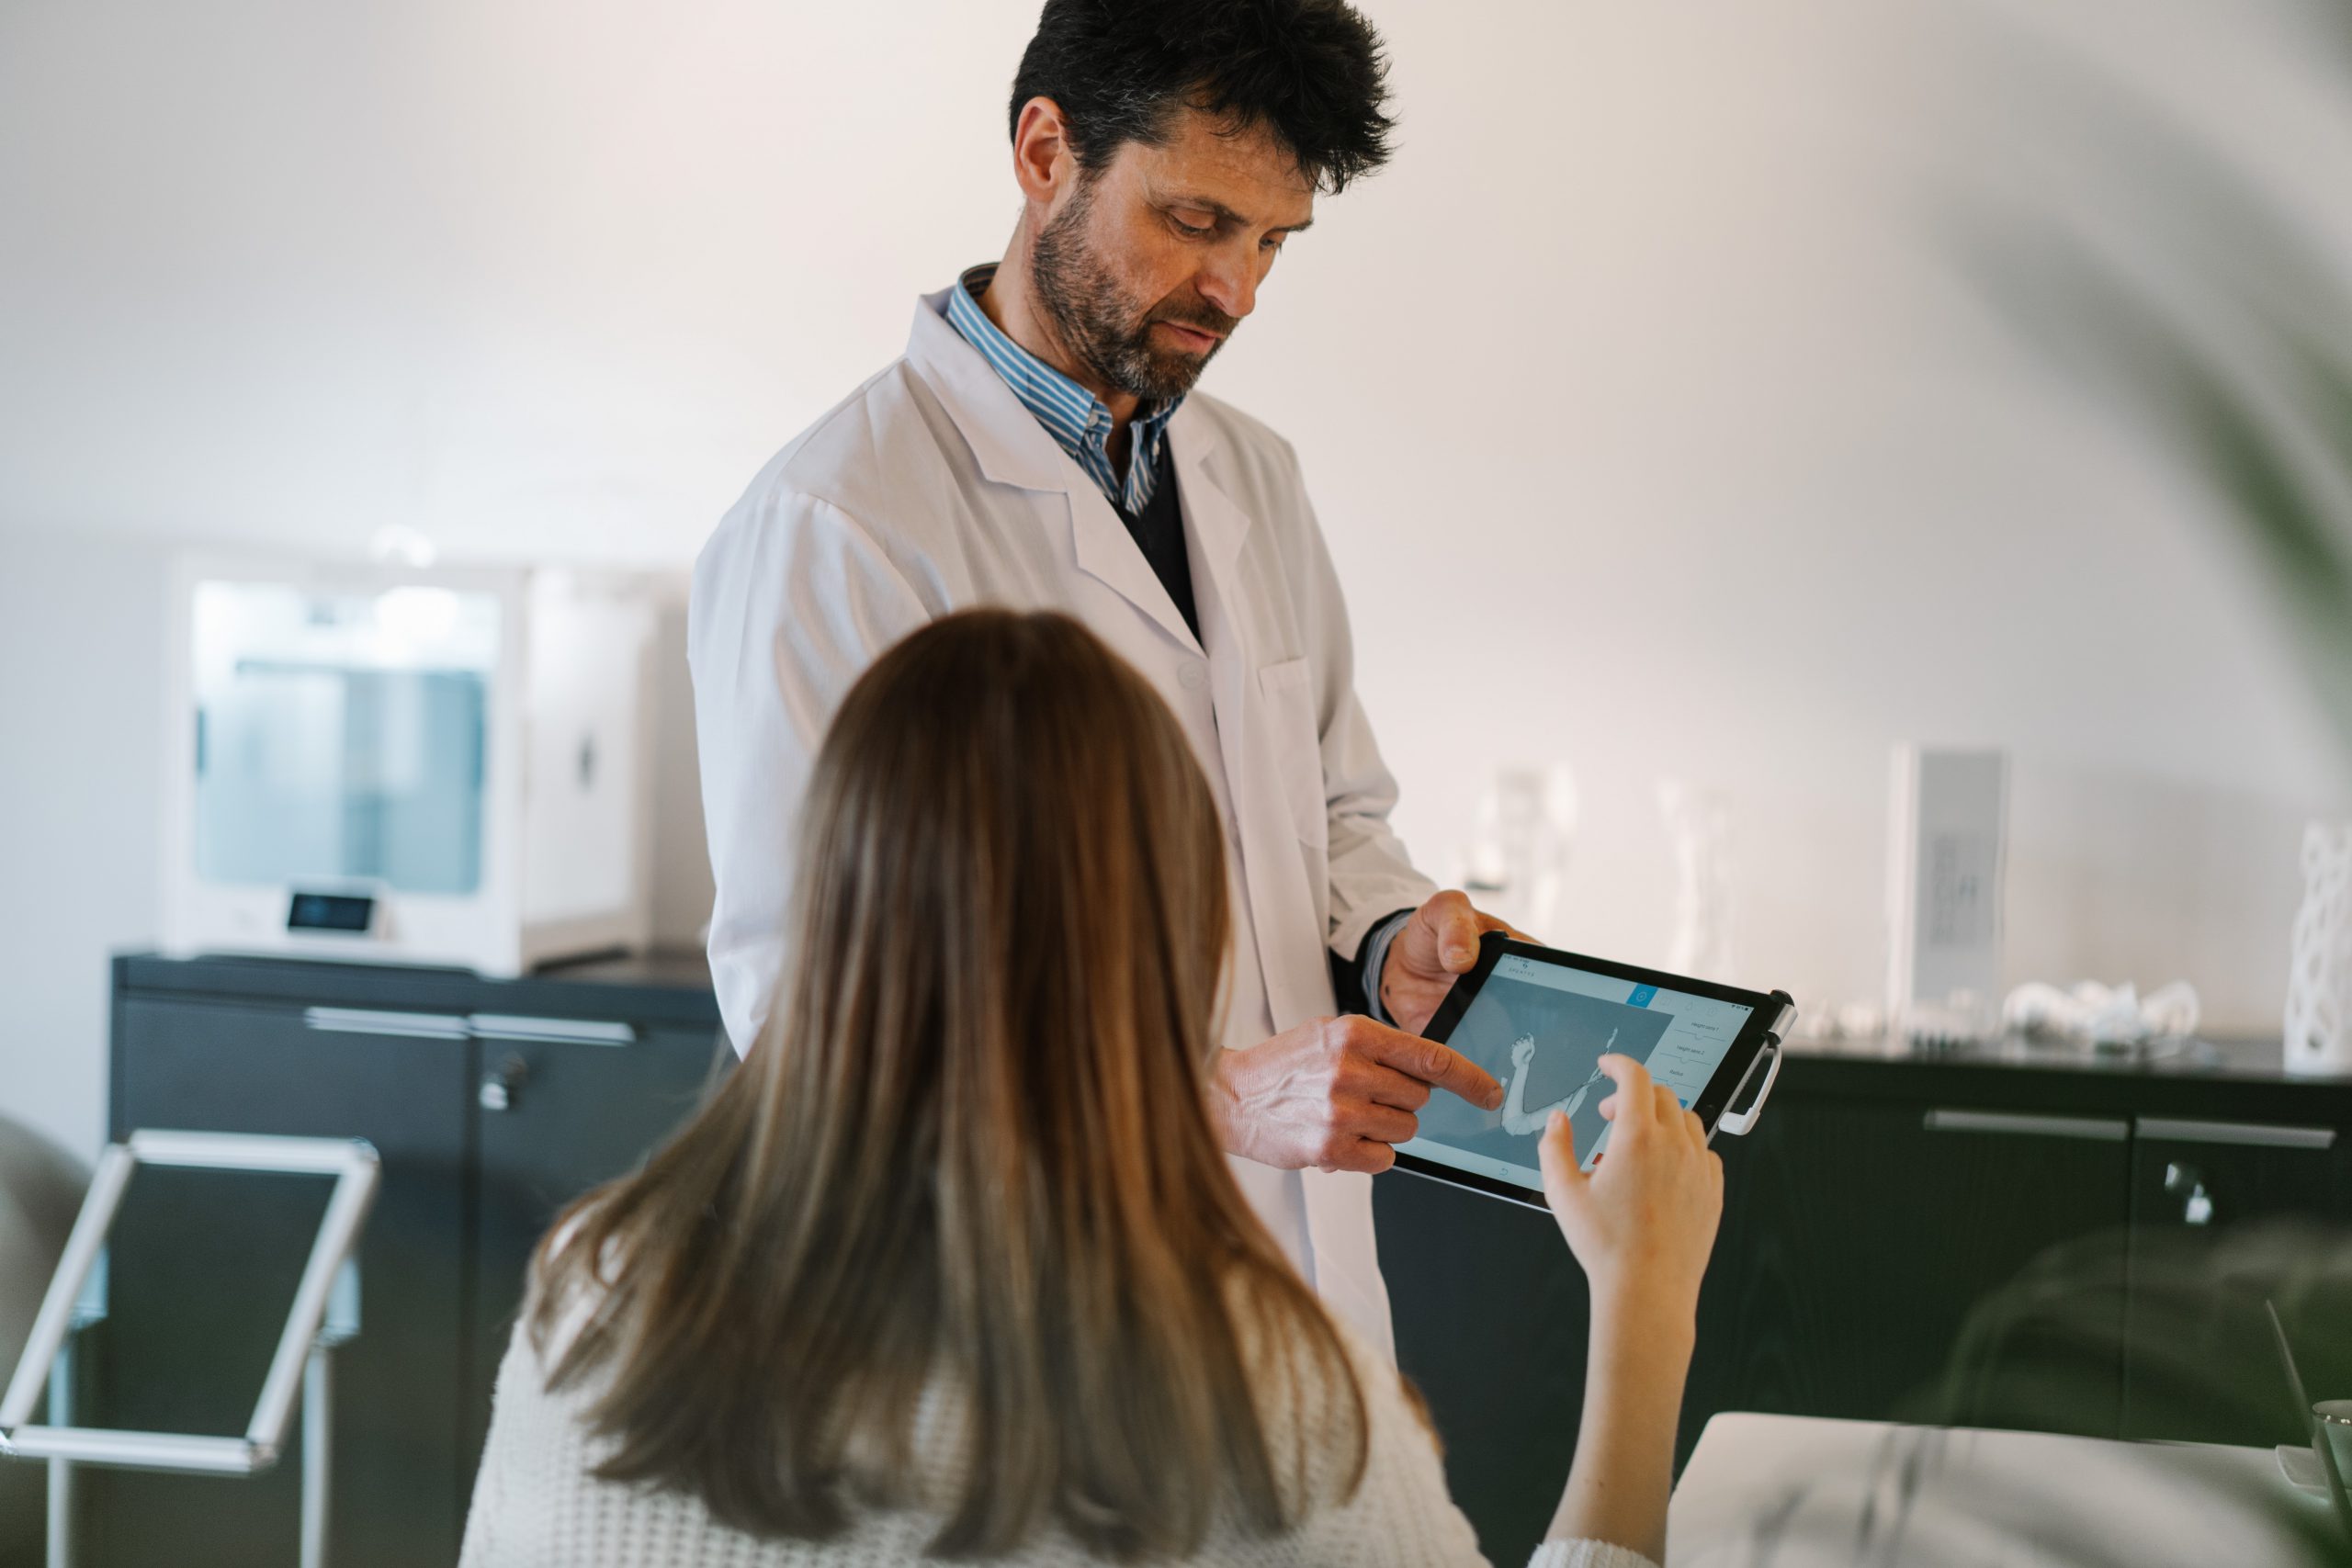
column 2206, row 315
column 2209, row 315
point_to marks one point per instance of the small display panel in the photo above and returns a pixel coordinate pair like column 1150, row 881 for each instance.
column 1541, row 1027
column 331, row 912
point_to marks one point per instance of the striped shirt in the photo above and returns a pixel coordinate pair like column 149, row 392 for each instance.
column 1079, row 422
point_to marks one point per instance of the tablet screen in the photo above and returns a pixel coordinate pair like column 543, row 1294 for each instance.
column 1540, row 1028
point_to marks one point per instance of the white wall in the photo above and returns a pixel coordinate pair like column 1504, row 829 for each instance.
column 81, row 709
column 1642, row 381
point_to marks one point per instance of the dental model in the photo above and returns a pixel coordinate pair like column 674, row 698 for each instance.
column 1519, row 1122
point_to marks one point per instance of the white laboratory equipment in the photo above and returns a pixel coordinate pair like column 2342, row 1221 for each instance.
column 1947, row 850
column 436, row 766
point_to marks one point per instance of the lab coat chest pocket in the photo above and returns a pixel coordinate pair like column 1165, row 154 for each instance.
column 1296, row 745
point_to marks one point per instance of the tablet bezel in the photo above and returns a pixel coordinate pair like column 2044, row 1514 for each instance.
column 1766, row 1010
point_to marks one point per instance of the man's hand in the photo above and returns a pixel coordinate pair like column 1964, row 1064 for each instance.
column 1335, row 1093
column 1440, row 941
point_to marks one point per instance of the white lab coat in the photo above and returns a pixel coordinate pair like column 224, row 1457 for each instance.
column 932, row 489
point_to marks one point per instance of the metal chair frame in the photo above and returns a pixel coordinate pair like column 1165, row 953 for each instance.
column 325, row 1314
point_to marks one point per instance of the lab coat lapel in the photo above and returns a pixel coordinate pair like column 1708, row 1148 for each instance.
column 1212, row 520
column 1281, row 904
column 1007, row 441
column 1342, row 1262
column 1109, row 554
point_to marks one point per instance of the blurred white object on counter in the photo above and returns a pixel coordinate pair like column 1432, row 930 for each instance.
column 1697, row 823
column 2103, row 1015
column 2319, row 981
column 1517, row 864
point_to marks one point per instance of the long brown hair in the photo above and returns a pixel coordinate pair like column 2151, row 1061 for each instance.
column 970, row 1152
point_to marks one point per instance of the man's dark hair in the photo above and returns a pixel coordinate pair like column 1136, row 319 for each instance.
column 1310, row 71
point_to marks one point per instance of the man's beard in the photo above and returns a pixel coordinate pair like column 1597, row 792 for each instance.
column 1109, row 336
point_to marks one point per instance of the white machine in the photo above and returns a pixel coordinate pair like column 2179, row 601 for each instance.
column 445, row 766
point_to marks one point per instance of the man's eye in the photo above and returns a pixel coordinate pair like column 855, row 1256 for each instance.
column 1190, row 228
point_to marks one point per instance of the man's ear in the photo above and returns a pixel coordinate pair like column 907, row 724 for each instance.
column 1042, row 160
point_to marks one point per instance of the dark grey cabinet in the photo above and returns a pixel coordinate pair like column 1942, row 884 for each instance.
column 1858, row 1239
column 557, row 1116
column 491, row 1103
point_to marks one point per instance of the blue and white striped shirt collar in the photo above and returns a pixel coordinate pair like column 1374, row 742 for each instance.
column 1079, row 422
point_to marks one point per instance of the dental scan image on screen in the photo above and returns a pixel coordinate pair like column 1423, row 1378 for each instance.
column 1541, row 1029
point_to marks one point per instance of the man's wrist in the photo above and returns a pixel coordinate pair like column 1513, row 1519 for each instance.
column 1375, row 964
column 1219, row 1104
column 1223, row 1107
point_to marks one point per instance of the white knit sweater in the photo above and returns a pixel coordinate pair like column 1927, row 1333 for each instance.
column 536, row 1504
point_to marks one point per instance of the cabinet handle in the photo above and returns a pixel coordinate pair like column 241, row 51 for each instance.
column 503, row 1083
column 368, row 1020
column 2096, row 1129
column 2187, row 1183
column 2244, row 1135
column 548, row 1031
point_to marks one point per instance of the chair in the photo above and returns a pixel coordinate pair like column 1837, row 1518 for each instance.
column 325, row 1314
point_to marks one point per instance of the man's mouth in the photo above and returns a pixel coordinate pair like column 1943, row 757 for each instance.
column 1199, row 340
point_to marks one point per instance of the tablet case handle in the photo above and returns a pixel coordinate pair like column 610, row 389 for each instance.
column 1739, row 1123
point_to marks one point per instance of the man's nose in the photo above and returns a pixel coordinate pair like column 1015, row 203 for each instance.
column 1230, row 283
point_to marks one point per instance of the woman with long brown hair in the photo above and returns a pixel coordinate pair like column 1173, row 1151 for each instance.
column 953, row 1265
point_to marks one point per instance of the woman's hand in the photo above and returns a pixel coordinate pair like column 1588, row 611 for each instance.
column 1644, row 1222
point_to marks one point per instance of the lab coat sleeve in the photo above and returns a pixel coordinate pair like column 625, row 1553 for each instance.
column 1371, row 875
column 792, row 600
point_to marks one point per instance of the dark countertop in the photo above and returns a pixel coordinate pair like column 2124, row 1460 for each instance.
column 655, row 988
column 2235, row 1058
column 2210, row 1077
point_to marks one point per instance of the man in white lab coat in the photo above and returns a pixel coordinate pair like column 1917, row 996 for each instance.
column 1039, row 444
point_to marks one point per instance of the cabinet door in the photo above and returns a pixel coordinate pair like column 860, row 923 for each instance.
column 202, row 1268
column 557, row 1115
column 2225, row 1216
column 1491, row 1314
column 1947, row 1263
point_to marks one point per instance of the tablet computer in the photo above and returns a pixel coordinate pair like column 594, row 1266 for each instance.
column 1540, row 1019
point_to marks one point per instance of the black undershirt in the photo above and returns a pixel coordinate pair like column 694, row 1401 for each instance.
column 1158, row 532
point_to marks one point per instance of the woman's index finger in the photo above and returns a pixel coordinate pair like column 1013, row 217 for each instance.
column 1635, row 1103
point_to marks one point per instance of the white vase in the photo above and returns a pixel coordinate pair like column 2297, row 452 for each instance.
column 2319, row 984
